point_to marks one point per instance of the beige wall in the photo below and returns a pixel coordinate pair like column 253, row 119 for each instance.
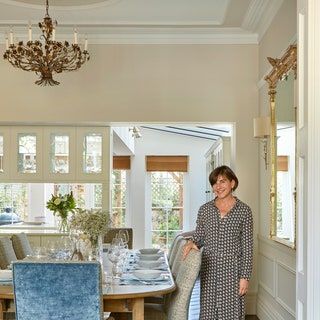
column 151, row 83
column 276, row 263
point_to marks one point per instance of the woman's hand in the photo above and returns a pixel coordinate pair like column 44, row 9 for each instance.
column 243, row 287
column 188, row 247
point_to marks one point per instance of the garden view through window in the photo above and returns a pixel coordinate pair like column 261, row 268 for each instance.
column 167, row 207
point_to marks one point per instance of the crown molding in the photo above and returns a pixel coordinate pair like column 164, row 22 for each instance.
column 259, row 16
column 266, row 19
column 254, row 14
column 146, row 35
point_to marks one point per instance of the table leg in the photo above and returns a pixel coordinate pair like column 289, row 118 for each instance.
column 2, row 308
column 138, row 309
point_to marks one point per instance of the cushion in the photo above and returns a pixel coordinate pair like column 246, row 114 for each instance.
column 7, row 254
column 21, row 245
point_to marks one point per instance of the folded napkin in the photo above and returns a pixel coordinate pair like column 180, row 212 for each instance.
column 130, row 279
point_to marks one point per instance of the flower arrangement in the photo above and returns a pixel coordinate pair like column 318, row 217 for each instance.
column 61, row 205
column 92, row 223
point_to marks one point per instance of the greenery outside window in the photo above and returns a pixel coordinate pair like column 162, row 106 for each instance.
column 119, row 199
column 167, row 207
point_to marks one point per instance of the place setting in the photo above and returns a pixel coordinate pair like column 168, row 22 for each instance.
column 149, row 268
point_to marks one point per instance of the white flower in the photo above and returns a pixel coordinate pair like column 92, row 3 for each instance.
column 57, row 201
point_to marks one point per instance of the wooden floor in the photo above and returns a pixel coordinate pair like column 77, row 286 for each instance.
column 194, row 308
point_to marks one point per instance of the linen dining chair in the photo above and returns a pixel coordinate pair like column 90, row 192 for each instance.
column 174, row 249
column 7, row 254
column 112, row 232
column 21, row 245
column 177, row 303
column 57, row 291
column 178, row 258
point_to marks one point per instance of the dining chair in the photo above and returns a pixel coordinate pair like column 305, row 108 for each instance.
column 174, row 249
column 57, row 290
column 7, row 254
column 112, row 232
column 176, row 305
column 178, row 258
column 21, row 245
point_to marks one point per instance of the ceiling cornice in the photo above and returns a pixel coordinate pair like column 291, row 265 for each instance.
column 147, row 35
column 260, row 15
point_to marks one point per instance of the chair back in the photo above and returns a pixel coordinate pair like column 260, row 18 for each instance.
column 174, row 249
column 7, row 254
column 178, row 258
column 21, row 245
column 177, row 305
column 57, row 291
column 112, row 232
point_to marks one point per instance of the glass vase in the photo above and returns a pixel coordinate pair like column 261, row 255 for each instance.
column 63, row 225
column 96, row 248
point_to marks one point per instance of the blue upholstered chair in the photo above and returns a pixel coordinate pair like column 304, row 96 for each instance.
column 57, row 291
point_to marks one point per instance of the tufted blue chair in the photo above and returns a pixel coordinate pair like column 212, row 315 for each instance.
column 57, row 291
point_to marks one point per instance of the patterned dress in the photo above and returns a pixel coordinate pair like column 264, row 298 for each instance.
column 227, row 257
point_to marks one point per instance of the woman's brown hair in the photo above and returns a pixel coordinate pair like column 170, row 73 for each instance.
column 224, row 171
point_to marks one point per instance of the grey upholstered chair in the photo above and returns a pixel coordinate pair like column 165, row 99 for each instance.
column 177, row 303
column 178, row 258
column 114, row 231
column 59, row 291
column 174, row 249
column 21, row 245
column 7, row 254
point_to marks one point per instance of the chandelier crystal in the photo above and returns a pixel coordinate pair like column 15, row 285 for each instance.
column 48, row 56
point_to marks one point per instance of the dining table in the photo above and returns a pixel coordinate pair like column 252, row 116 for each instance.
column 118, row 296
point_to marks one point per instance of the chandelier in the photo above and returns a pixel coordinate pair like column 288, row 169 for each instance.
column 48, row 56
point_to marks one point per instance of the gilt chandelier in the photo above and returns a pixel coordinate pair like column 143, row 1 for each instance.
column 47, row 56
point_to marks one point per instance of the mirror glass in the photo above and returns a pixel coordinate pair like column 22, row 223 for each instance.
column 285, row 154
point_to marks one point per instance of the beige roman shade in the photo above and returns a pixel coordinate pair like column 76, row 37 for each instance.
column 282, row 163
column 121, row 162
column 167, row 163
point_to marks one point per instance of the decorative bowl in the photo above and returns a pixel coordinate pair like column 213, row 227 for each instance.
column 149, row 264
column 149, row 251
column 150, row 257
column 147, row 274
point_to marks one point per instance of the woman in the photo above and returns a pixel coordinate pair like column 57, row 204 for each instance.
column 225, row 231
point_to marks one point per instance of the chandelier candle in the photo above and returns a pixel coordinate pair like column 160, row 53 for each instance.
column 47, row 56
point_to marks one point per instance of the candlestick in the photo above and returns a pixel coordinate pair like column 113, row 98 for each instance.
column 11, row 36
column 53, row 34
column 86, row 44
column 75, row 36
column 30, row 33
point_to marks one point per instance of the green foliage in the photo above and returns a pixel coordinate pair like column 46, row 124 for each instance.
column 62, row 205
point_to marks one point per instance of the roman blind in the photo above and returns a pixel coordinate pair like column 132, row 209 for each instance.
column 167, row 163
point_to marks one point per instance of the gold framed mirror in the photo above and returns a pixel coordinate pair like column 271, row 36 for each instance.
column 282, row 89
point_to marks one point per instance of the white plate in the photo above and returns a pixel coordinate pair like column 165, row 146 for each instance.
column 161, row 278
column 149, row 251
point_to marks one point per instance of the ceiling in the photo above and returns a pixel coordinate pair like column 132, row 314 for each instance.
column 147, row 21
column 205, row 131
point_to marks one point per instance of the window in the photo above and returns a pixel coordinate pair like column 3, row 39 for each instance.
column 59, row 157
column 27, row 153
column 119, row 197
column 27, row 201
column 167, row 207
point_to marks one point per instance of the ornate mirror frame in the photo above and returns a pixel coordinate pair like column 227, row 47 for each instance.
column 280, row 69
